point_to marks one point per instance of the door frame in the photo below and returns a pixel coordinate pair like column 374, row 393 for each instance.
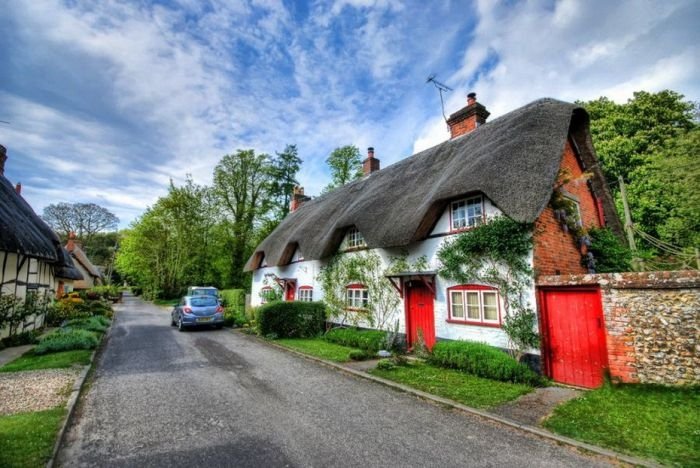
column 543, row 317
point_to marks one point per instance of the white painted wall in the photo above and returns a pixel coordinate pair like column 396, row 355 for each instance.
column 306, row 273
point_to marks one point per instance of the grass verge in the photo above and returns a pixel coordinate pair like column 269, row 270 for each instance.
column 27, row 439
column 166, row 302
column 470, row 390
column 319, row 348
column 644, row 420
column 29, row 361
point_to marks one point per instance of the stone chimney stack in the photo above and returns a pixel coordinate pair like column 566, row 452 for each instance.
column 298, row 198
column 468, row 118
column 371, row 164
column 3, row 158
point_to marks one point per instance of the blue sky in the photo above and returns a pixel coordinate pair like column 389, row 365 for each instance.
column 109, row 100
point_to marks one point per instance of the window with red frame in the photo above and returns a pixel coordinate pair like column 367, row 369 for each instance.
column 466, row 213
column 357, row 296
column 474, row 304
column 306, row 294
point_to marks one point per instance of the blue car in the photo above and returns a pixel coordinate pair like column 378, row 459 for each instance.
column 193, row 311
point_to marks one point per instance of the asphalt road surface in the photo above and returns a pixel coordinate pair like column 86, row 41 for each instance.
column 216, row 398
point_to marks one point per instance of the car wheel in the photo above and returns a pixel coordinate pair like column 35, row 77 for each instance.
column 180, row 325
column 172, row 321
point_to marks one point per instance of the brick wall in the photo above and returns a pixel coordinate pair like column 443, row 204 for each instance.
column 652, row 322
column 555, row 251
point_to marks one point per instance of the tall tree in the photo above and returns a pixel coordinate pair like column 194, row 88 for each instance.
column 85, row 219
column 242, row 186
column 283, row 171
column 345, row 164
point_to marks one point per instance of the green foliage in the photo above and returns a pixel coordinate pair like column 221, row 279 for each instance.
column 470, row 390
column 520, row 329
column 368, row 340
column 97, row 324
column 14, row 312
column 19, row 339
column 482, row 360
column 318, row 347
column 365, row 267
column 105, row 292
column 496, row 253
column 291, row 319
column 283, row 173
column 610, row 254
column 359, row 355
column 73, row 306
column 644, row 420
column 233, row 301
column 66, row 339
column 27, row 439
column 30, row 361
column 345, row 164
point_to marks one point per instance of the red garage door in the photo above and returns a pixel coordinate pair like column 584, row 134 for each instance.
column 573, row 336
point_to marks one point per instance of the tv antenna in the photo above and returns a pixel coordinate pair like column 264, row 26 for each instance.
column 5, row 122
column 441, row 88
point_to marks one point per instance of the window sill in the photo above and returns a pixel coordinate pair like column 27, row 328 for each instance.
column 354, row 249
column 473, row 323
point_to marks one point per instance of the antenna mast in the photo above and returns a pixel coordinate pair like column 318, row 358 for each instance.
column 440, row 87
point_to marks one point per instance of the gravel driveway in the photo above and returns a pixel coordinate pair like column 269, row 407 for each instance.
column 217, row 398
column 35, row 390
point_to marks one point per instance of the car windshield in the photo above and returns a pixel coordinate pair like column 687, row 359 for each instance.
column 203, row 301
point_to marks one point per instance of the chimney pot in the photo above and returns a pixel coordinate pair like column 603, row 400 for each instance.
column 298, row 198
column 468, row 118
column 18, row 188
column 371, row 164
column 370, row 152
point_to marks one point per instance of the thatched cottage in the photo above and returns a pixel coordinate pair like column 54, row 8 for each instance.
column 90, row 273
column 32, row 260
column 508, row 166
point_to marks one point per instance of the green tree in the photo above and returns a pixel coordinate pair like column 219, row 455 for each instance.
column 243, row 190
column 84, row 219
column 283, row 172
column 345, row 164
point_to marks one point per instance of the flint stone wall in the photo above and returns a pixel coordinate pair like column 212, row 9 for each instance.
column 652, row 324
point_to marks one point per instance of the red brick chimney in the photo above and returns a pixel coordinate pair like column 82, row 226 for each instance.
column 3, row 158
column 70, row 245
column 298, row 198
column 468, row 118
column 371, row 164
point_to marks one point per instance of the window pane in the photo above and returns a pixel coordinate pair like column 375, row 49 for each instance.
column 457, row 304
column 459, row 215
column 490, row 306
column 474, row 212
column 473, row 306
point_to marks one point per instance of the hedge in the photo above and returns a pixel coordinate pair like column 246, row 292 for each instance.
column 234, row 306
column 482, row 360
column 291, row 319
column 368, row 340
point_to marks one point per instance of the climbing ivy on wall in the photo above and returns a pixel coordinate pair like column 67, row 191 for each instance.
column 496, row 253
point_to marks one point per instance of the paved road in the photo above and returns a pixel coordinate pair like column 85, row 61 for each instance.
column 217, row 398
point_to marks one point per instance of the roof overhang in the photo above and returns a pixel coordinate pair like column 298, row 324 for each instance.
column 398, row 280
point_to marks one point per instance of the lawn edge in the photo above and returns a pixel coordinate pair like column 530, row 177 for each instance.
column 74, row 397
column 467, row 409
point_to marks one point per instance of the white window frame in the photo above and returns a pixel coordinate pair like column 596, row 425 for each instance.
column 460, row 217
column 354, row 238
column 356, row 297
column 305, row 294
column 463, row 294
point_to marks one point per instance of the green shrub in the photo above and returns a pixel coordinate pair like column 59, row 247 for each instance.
column 482, row 360
column 359, row 355
column 24, row 338
column 610, row 254
column 386, row 364
column 291, row 319
column 66, row 339
column 369, row 340
column 97, row 324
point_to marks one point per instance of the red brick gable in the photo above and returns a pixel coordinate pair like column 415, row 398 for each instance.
column 555, row 251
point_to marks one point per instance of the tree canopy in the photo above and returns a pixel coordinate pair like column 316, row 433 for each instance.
column 84, row 219
column 345, row 164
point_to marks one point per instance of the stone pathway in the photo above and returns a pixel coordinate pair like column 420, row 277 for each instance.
column 10, row 354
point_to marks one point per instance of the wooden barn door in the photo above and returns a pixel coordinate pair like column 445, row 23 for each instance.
column 419, row 313
column 573, row 329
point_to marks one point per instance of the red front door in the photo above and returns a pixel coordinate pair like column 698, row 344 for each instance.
column 574, row 336
column 289, row 292
column 419, row 313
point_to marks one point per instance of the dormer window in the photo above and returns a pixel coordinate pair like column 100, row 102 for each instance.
column 466, row 213
column 354, row 239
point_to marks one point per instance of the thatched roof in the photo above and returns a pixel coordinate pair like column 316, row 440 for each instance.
column 79, row 254
column 65, row 268
column 21, row 230
column 513, row 160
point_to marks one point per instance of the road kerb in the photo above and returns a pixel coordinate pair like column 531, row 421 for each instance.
column 458, row 406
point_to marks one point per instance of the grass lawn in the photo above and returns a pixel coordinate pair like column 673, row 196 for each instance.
column 468, row 389
column 318, row 347
column 27, row 439
column 647, row 421
column 29, row 361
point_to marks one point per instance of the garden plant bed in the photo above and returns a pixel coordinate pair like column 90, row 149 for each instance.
column 472, row 391
column 644, row 420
